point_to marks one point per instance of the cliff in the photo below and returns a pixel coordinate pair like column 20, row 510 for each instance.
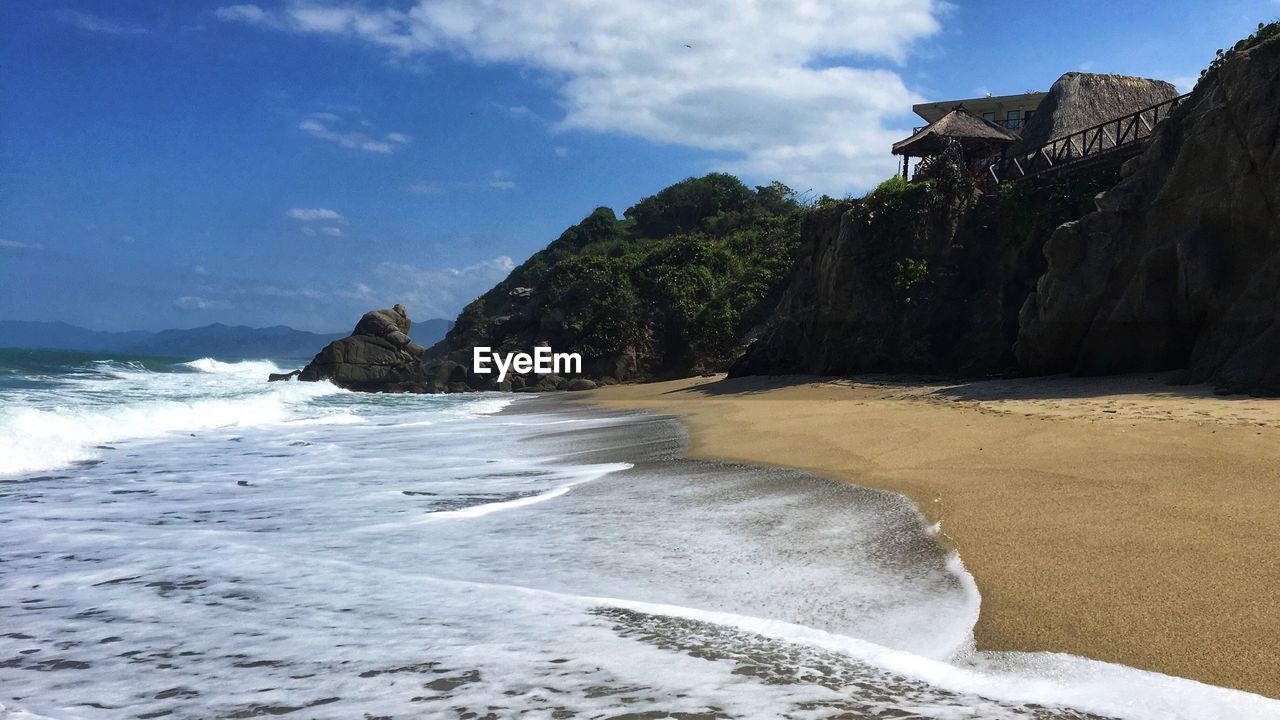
column 926, row 277
column 1179, row 267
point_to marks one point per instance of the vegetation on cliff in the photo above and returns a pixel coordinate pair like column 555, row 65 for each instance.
column 670, row 288
column 926, row 276
column 1266, row 33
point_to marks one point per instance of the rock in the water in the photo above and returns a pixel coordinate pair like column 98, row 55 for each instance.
column 377, row 357
column 1180, row 265
column 277, row 377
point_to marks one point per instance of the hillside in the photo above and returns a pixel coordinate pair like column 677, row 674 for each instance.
column 216, row 340
column 669, row 289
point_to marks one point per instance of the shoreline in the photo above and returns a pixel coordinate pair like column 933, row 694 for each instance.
column 1118, row 519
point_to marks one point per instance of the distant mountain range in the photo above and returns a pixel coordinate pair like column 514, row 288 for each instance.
column 216, row 340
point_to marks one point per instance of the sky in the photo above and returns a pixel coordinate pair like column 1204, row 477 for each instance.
column 298, row 162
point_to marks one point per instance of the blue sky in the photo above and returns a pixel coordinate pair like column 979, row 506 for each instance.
column 170, row 164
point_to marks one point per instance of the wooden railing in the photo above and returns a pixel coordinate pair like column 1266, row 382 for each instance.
column 1110, row 140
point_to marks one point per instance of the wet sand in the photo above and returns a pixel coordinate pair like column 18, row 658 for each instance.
column 1120, row 519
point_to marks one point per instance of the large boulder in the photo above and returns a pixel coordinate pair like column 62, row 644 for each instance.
column 377, row 357
column 1179, row 267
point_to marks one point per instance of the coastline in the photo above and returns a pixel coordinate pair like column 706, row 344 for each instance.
column 1119, row 519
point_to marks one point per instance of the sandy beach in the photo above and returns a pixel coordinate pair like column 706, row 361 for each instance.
column 1120, row 519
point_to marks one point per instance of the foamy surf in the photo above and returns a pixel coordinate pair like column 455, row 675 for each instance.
column 90, row 409
column 253, row 368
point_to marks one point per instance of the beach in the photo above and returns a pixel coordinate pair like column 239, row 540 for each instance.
column 1121, row 519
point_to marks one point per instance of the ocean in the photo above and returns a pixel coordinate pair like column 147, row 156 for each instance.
column 181, row 539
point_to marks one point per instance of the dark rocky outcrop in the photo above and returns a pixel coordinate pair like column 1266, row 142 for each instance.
column 378, row 356
column 1179, row 267
column 921, row 278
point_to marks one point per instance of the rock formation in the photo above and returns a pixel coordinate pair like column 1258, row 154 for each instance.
column 920, row 278
column 1179, row 267
column 377, row 357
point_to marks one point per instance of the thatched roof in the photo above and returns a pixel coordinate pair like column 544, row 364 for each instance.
column 971, row 131
column 1081, row 100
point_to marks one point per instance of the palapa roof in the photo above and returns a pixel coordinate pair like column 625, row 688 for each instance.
column 960, row 125
column 1078, row 101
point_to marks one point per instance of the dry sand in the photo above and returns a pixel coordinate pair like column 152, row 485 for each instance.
column 1115, row 518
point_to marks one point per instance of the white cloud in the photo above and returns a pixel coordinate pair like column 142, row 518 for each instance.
column 249, row 14
column 425, row 187
column 95, row 24
column 15, row 245
column 499, row 180
column 274, row 291
column 312, row 214
column 795, row 91
column 195, row 302
column 332, row 231
column 435, row 292
column 325, row 126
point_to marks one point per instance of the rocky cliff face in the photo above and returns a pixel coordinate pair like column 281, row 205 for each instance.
column 925, row 278
column 1180, row 265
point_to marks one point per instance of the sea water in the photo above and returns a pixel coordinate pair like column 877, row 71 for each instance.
column 180, row 539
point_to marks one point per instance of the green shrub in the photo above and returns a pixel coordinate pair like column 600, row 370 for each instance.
column 908, row 272
column 1266, row 32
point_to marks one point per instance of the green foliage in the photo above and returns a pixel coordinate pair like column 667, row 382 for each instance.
column 600, row 307
column 949, row 178
column 907, row 273
column 1026, row 208
column 683, row 206
column 680, row 280
column 824, row 202
column 896, row 206
column 1266, row 32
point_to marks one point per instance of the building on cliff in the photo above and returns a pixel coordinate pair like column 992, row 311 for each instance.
column 1007, row 111
column 1065, row 127
column 972, row 137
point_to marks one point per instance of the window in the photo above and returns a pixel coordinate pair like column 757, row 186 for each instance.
column 989, row 117
column 1013, row 120
column 1026, row 116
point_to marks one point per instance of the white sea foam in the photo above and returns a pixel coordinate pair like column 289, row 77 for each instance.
column 254, row 368
column 591, row 473
column 117, row 402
